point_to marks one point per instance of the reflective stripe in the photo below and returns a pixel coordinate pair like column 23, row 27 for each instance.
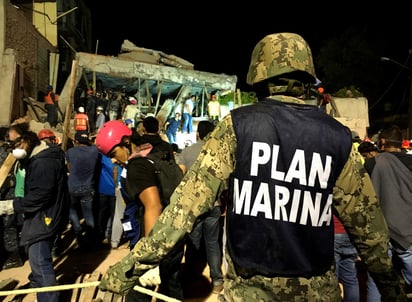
column 80, row 122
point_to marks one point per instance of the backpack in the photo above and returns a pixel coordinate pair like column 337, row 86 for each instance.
column 168, row 174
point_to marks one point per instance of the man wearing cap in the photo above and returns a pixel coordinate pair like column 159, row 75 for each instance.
column 131, row 112
column 100, row 119
column 82, row 162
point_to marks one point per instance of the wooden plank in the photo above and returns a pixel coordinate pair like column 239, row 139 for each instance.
column 99, row 296
column 118, row 298
column 6, row 167
column 8, row 284
column 108, row 297
column 76, row 292
column 87, row 294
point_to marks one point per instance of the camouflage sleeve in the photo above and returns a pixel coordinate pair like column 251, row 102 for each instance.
column 356, row 204
column 194, row 196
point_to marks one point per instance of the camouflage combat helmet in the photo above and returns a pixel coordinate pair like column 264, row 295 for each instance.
column 278, row 54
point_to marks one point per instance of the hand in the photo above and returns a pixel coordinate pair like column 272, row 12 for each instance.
column 6, row 207
column 151, row 277
column 119, row 278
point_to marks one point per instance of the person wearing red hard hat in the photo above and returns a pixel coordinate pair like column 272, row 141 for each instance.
column 48, row 136
column 406, row 145
column 142, row 197
column 131, row 112
column 111, row 135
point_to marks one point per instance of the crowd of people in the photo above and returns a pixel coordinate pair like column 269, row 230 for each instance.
column 284, row 200
column 279, row 234
column 93, row 206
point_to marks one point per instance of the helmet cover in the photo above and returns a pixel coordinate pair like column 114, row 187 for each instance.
column 279, row 54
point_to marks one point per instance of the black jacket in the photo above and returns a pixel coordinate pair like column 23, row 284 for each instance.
column 45, row 204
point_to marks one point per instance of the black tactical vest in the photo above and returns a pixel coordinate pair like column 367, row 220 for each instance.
column 279, row 217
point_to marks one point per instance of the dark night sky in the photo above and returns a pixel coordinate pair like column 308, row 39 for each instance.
column 220, row 39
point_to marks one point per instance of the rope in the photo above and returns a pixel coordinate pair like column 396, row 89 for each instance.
column 82, row 285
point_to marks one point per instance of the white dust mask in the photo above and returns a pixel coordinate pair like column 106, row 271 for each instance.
column 19, row 153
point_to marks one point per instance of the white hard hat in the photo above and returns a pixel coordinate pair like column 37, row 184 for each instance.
column 81, row 109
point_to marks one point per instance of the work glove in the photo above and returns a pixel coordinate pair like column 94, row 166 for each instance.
column 6, row 207
column 151, row 277
column 119, row 277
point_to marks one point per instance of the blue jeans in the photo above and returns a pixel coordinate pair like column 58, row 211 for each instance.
column 372, row 291
column 106, row 205
column 209, row 229
column 402, row 260
column 346, row 257
column 85, row 199
column 187, row 123
column 42, row 271
column 171, row 136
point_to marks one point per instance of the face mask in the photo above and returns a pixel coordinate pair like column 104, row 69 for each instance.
column 19, row 153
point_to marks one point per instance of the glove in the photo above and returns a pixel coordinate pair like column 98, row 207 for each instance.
column 119, row 277
column 151, row 277
column 6, row 207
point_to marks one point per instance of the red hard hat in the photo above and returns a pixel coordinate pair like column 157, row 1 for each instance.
column 405, row 144
column 110, row 135
column 132, row 100
column 45, row 133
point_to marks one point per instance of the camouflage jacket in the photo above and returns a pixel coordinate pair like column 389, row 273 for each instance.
column 355, row 203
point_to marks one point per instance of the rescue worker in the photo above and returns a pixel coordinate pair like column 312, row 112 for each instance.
column 282, row 192
column 140, row 189
column 51, row 99
column 81, row 120
column 48, row 136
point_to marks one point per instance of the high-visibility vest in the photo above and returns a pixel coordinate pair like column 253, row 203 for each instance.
column 48, row 99
column 80, row 121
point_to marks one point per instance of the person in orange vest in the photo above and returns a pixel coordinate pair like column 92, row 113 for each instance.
column 51, row 98
column 81, row 120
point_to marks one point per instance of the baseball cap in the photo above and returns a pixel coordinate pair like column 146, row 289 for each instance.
column 82, row 137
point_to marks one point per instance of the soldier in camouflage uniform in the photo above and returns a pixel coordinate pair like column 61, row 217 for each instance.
column 282, row 192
